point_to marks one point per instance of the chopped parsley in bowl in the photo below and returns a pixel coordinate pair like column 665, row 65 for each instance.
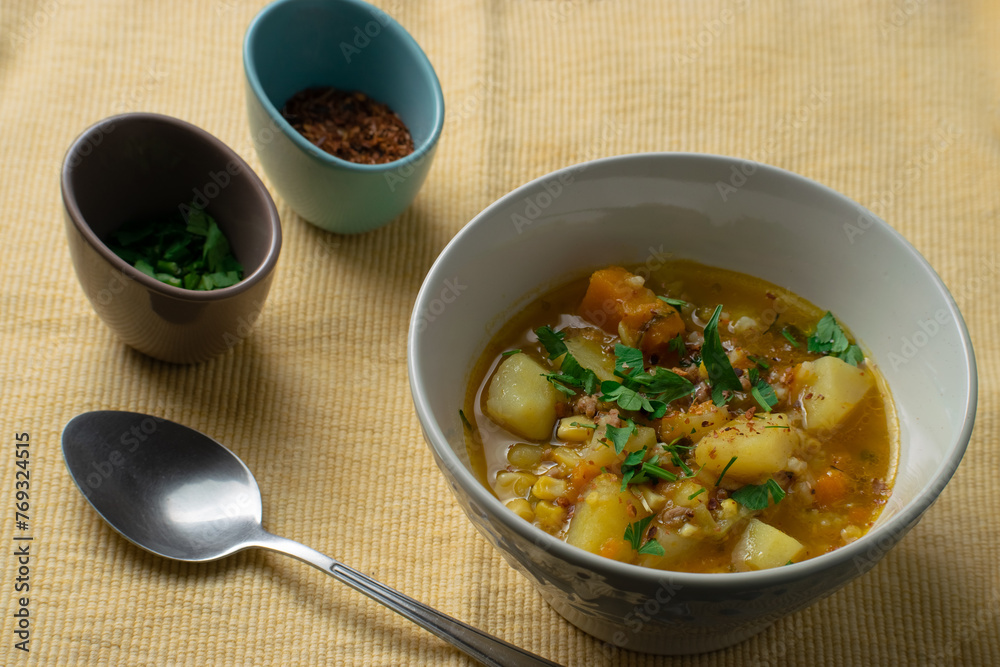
column 184, row 248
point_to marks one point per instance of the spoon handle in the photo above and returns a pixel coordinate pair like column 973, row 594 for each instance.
column 484, row 647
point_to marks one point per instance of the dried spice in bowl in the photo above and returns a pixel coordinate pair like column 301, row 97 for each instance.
column 348, row 125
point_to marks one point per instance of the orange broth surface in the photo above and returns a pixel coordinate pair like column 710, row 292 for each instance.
column 735, row 481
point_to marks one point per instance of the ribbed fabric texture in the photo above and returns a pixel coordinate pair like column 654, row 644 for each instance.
column 894, row 103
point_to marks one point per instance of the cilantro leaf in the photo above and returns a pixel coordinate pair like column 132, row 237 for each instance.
column 666, row 385
column 465, row 420
column 764, row 394
column 634, row 532
column 628, row 361
column 564, row 383
column 652, row 547
column 755, row 496
column 831, row 340
column 183, row 248
column 552, row 341
column 587, row 378
column 661, row 384
column 627, row 399
column 829, row 337
column 677, row 345
column 790, row 337
column 721, row 376
column 675, row 457
column 619, row 435
column 631, row 466
column 653, row 470
column 725, row 470
column 853, row 355
column 697, row 493
column 676, row 303
column 571, row 375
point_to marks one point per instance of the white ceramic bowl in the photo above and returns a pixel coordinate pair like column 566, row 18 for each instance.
column 725, row 212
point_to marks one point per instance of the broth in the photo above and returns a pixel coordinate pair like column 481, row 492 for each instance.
column 651, row 452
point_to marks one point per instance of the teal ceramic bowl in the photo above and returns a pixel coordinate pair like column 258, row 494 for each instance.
column 350, row 45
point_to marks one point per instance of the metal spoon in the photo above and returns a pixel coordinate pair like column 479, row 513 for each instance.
column 180, row 494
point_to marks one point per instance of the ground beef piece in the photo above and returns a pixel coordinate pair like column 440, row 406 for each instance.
column 586, row 405
column 675, row 513
column 702, row 392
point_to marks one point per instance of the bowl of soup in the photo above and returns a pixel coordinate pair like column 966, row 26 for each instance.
column 684, row 406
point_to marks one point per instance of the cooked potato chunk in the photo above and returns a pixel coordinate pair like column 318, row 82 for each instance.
column 602, row 453
column 604, row 512
column 521, row 400
column 693, row 424
column 761, row 446
column 575, row 429
column 589, row 354
column 763, row 546
column 829, row 389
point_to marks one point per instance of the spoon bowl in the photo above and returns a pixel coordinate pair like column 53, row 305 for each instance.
column 180, row 494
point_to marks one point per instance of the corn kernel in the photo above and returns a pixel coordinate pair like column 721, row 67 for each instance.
column 522, row 508
column 575, row 429
column 687, row 530
column 566, row 457
column 850, row 534
column 549, row 515
column 728, row 509
column 524, row 456
column 549, row 488
column 516, row 483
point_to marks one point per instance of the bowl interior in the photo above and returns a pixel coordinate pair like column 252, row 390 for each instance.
column 775, row 225
column 351, row 45
column 137, row 166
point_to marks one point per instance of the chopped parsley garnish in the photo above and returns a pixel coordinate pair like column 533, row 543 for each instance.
column 653, row 470
column 761, row 391
column 755, row 496
column 639, row 389
column 760, row 361
column 676, row 303
column 509, row 352
column 572, row 376
column 721, row 376
column 725, row 470
column 636, row 471
column 562, row 382
column 634, row 533
column 184, row 248
column 619, row 435
column 787, row 333
column 590, row 426
column 632, row 465
column 697, row 493
column 552, row 341
column 830, row 339
column 676, row 344
column 465, row 420
column 675, row 456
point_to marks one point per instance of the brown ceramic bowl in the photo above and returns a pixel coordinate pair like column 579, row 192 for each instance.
column 138, row 165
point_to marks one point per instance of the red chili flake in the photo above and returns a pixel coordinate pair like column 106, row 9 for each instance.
column 348, row 125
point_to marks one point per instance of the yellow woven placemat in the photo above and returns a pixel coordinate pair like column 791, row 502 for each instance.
column 896, row 103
